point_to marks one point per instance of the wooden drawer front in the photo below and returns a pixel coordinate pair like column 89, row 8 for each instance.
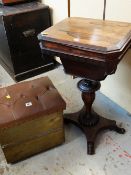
column 22, row 29
column 31, row 129
column 26, row 149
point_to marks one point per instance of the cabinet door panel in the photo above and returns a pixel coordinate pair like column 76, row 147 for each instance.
column 22, row 30
column 87, row 8
column 23, row 33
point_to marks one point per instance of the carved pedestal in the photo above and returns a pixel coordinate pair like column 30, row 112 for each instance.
column 86, row 119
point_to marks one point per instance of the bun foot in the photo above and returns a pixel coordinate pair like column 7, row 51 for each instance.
column 120, row 130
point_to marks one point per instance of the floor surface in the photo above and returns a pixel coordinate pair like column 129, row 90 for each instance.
column 113, row 151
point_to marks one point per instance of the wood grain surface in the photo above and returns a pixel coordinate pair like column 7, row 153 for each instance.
column 32, row 137
column 90, row 34
column 88, row 48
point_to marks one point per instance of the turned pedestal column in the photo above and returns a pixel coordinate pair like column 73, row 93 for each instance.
column 86, row 119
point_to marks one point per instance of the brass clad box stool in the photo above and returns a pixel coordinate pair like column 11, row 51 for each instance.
column 31, row 118
column 90, row 49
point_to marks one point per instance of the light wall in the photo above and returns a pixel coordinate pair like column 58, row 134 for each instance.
column 87, row 8
column 117, row 86
column 59, row 9
column 119, row 10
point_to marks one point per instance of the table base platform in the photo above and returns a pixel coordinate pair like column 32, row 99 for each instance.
column 92, row 131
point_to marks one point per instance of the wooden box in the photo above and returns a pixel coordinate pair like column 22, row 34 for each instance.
column 20, row 52
column 31, row 118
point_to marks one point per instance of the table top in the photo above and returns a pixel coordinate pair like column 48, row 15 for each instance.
column 93, row 34
column 88, row 48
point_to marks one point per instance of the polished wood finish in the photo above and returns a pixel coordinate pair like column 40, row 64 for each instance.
column 86, row 119
column 91, row 49
column 96, row 35
column 96, row 45
column 92, row 132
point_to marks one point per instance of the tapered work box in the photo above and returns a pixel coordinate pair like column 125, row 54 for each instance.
column 31, row 118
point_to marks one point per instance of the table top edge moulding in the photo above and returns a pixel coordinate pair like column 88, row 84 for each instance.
column 88, row 36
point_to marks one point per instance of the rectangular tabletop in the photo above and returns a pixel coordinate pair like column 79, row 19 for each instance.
column 103, row 36
column 87, row 47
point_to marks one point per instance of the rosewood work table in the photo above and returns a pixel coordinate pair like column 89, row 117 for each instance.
column 90, row 49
